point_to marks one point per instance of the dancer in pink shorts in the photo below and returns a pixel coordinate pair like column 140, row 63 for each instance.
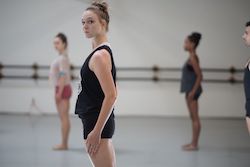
column 60, row 75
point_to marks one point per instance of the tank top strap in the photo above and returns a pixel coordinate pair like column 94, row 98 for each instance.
column 108, row 49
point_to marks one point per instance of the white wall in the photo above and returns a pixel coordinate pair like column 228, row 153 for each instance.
column 142, row 33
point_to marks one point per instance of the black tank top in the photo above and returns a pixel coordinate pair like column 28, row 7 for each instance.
column 247, row 83
column 90, row 95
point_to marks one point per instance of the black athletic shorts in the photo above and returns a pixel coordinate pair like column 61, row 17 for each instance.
column 196, row 95
column 89, row 122
column 247, row 106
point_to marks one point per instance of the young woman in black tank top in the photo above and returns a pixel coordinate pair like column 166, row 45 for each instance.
column 191, row 85
column 246, row 38
column 97, row 96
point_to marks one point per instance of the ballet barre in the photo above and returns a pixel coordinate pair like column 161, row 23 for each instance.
column 153, row 74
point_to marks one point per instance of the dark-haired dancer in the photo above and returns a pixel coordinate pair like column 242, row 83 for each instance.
column 60, row 74
column 191, row 85
column 246, row 38
column 97, row 96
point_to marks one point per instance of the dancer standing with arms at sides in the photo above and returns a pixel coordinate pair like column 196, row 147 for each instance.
column 97, row 95
column 191, row 85
column 60, row 75
column 246, row 38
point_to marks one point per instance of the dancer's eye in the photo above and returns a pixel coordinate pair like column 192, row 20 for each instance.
column 90, row 21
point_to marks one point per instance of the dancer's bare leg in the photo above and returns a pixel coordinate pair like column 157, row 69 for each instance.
column 196, row 126
column 105, row 157
column 63, row 110
column 248, row 124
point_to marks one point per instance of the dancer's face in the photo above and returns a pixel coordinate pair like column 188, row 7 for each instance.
column 92, row 24
column 188, row 45
column 246, row 36
column 59, row 45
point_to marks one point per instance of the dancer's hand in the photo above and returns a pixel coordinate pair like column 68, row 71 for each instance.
column 93, row 142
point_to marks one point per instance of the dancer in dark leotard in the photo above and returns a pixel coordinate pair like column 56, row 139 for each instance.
column 188, row 80
column 246, row 38
column 191, row 86
column 90, row 98
column 97, row 96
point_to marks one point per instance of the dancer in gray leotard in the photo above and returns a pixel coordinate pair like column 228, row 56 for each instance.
column 191, row 86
